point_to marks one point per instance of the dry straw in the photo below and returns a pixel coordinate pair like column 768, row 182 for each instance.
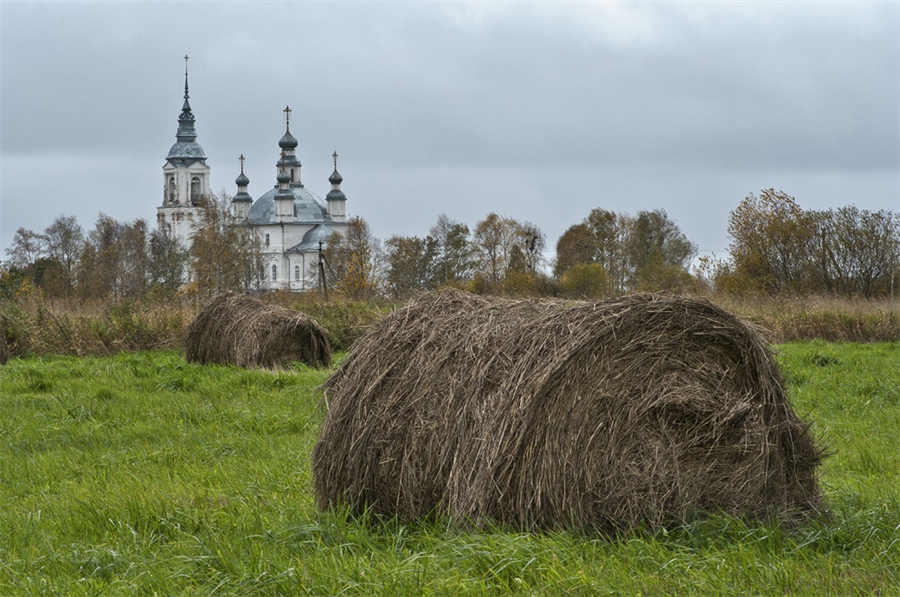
column 637, row 412
column 236, row 329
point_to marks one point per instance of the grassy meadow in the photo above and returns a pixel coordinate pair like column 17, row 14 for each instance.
column 139, row 474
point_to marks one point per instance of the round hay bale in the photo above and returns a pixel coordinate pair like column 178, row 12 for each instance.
column 235, row 329
column 637, row 412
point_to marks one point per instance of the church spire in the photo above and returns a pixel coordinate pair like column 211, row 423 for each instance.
column 186, row 149
column 186, row 95
column 288, row 145
column 185, row 175
column 186, row 131
column 335, row 179
column 284, row 198
column 337, row 201
column 242, row 201
column 288, row 141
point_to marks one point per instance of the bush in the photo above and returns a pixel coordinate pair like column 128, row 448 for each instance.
column 344, row 319
column 585, row 280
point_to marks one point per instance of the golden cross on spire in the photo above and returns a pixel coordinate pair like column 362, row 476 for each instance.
column 335, row 156
column 287, row 116
column 242, row 163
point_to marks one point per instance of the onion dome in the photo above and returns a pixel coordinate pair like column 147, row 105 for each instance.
column 287, row 141
column 335, row 179
column 242, row 181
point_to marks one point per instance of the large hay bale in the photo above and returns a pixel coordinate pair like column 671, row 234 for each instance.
column 235, row 329
column 632, row 413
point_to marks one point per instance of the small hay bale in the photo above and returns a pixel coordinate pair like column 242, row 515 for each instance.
column 235, row 329
column 637, row 412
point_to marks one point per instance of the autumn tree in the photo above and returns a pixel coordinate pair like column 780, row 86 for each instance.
column 65, row 240
column 411, row 264
column 27, row 248
column 531, row 242
column 497, row 240
column 168, row 259
column 854, row 251
column 599, row 239
column 772, row 243
column 777, row 247
column 645, row 252
column 224, row 255
column 610, row 231
column 454, row 255
column 576, row 245
column 657, row 253
column 492, row 240
column 355, row 260
column 133, row 259
column 97, row 267
column 114, row 261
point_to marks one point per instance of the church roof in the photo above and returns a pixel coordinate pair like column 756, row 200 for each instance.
column 308, row 208
column 311, row 239
column 188, row 152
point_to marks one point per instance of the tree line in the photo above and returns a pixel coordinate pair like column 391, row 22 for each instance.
column 129, row 260
column 777, row 248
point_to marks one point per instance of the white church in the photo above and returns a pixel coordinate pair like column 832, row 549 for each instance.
column 290, row 221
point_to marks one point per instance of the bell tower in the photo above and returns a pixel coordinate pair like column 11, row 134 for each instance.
column 186, row 186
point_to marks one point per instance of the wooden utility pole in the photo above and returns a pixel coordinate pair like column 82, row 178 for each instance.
column 323, row 285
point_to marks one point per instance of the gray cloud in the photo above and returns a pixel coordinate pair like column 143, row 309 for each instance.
column 537, row 111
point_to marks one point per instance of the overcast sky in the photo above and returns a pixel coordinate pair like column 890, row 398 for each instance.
column 537, row 111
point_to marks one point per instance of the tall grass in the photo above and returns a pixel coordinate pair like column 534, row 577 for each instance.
column 139, row 474
column 80, row 328
column 38, row 326
column 832, row 319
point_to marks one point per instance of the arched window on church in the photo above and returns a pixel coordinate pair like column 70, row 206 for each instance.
column 297, row 273
column 195, row 191
column 267, row 239
column 170, row 189
column 274, row 273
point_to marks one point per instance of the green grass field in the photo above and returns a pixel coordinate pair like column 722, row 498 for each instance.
column 142, row 475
